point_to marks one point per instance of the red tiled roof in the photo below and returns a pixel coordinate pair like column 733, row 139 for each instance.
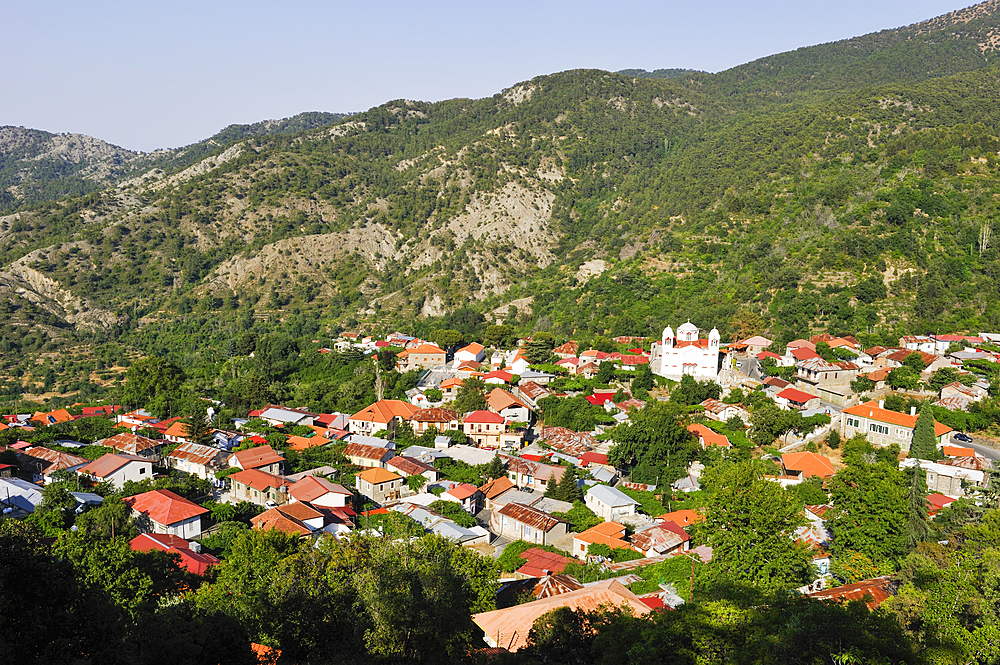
column 939, row 501
column 194, row 562
column 463, row 491
column 591, row 457
column 499, row 399
column 682, row 518
column 803, row 353
column 499, row 374
column 709, row 436
column 164, row 507
column 872, row 411
column 384, row 411
column 496, row 487
column 377, row 476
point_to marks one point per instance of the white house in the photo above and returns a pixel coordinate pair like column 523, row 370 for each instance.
column 472, row 353
column 320, row 492
column 162, row 511
column 608, row 503
column 118, row 468
column 686, row 354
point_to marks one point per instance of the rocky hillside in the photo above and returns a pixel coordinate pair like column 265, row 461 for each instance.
column 38, row 166
column 858, row 197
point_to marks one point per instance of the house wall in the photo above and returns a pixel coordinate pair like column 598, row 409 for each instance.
column 879, row 433
column 187, row 529
column 381, row 492
column 134, row 471
column 511, row 528
column 367, row 463
column 332, row 500
column 484, row 434
column 605, row 511
column 260, row 497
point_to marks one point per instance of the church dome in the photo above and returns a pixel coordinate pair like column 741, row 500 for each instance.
column 668, row 333
column 688, row 328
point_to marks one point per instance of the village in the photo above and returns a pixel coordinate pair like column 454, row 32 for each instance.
column 479, row 454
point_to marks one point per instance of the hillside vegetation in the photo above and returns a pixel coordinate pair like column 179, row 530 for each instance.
column 849, row 187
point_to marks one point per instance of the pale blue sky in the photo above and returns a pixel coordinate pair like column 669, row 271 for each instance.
column 146, row 75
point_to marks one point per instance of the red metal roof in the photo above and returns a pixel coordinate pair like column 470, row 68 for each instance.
column 797, row 396
column 485, row 417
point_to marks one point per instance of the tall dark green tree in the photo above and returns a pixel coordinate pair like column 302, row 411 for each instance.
column 569, row 490
column 924, row 445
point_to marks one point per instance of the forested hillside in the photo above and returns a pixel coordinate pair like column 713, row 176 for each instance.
column 849, row 187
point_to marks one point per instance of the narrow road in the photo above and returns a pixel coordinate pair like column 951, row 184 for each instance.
column 981, row 447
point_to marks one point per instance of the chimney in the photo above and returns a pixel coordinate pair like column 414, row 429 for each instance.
column 913, row 410
column 881, row 404
column 547, row 572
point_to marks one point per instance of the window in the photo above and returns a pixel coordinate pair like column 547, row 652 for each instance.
column 142, row 470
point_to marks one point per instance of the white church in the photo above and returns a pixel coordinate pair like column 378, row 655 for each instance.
column 673, row 357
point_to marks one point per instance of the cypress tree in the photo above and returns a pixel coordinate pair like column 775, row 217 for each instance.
column 917, row 529
column 924, row 445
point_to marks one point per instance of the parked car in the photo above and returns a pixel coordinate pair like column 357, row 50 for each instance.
column 964, row 438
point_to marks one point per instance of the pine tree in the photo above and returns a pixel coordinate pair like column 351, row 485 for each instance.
column 568, row 488
column 551, row 488
column 924, row 445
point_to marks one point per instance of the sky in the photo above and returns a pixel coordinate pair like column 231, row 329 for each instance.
column 146, row 75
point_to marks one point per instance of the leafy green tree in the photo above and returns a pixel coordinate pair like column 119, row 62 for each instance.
column 862, row 384
column 153, row 383
column 495, row 469
column 539, row 350
column 500, row 337
column 470, row 396
column 903, row 378
column 870, row 505
column 689, row 391
column 446, row 338
column 924, row 444
column 750, row 522
column 197, row 431
column 605, row 373
column 768, row 422
column 943, row 377
column 642, row 382
column 454, row 512
column 655, row 445
column 580, row 517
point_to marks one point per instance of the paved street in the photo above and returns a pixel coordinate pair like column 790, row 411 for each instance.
column 982, row 447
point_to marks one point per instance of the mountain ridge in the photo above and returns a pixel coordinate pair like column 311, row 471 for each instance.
column 568, row 196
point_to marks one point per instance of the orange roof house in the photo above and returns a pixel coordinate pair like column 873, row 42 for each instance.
column 300, row 443
column 383, row 414
column 168, row 511
column 52, row 417
column 884, row 427
column 709, row 437
column 611, row 534
column 807, row 465
column 682, row 518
